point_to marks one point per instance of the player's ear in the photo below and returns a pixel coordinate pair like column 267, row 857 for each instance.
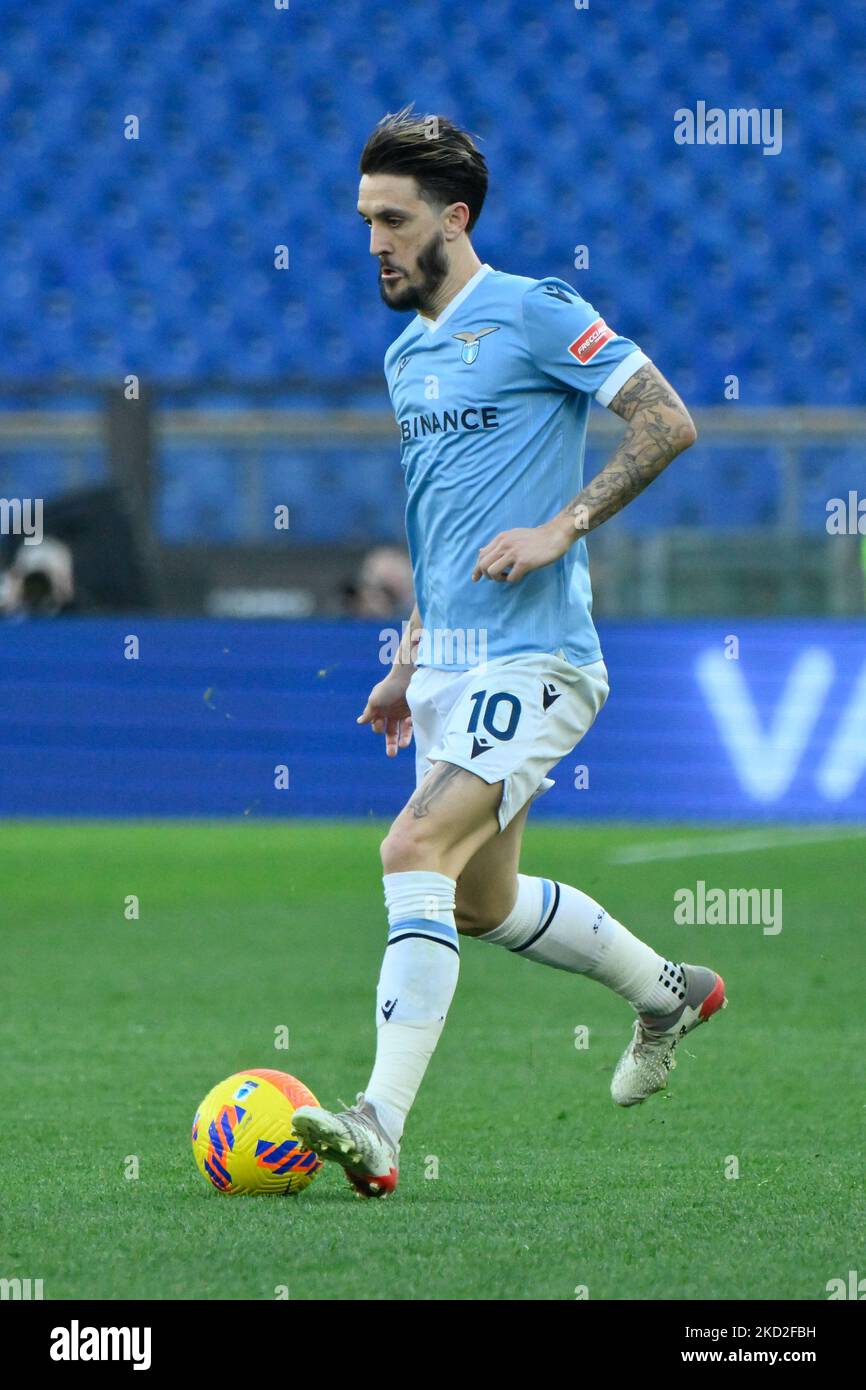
column 455, row 220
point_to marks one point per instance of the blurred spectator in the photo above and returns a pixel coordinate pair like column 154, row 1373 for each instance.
column 40, row 581
column 384, row 588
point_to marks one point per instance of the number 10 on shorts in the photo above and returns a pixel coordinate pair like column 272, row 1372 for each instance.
column 503, row 704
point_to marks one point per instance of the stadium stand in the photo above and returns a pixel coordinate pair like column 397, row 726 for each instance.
column 155, row 255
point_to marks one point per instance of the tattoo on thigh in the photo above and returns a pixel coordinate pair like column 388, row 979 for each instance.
column 432, row 787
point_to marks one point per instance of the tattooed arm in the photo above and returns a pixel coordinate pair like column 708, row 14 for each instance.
column 659, row 428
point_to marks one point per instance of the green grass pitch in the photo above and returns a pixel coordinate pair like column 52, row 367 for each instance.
column 113, row 1029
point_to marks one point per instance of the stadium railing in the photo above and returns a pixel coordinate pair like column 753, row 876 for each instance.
column 739, row 525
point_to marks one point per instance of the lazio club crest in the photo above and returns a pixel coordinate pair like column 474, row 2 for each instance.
column 472, row 343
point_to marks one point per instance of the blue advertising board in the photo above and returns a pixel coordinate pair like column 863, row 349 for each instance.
column 741, row 721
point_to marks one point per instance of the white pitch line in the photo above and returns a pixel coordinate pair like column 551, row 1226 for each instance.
column 733, row 843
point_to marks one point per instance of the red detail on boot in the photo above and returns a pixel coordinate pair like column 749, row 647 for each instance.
column 714, row 1000
column 362, row 1183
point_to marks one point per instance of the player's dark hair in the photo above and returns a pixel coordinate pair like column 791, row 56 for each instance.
column 443, row 160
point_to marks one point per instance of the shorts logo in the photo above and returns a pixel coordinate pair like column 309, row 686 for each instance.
column 479, row 746
column 591, row 341
column 549, row 694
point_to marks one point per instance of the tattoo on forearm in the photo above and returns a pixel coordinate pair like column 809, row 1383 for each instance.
column 434, row 784
column 659, row 428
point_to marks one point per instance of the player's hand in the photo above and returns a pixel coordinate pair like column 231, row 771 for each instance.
column 387, row 712
column 512, row 554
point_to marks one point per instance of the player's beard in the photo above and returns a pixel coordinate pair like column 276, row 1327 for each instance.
column 432, row 267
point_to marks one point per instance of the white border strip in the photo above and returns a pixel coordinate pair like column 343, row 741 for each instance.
column 621, row 373
column 736, row 842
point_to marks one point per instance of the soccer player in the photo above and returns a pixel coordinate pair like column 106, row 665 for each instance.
column 500, row 672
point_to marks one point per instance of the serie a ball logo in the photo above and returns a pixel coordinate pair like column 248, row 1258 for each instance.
column 242, row 1134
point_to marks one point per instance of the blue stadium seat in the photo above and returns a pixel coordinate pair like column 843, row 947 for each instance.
column 250, row 133
column 156, row 255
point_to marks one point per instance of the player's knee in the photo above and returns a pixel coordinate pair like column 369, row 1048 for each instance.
column 478, row 918
column 471, row 923
column 408, row 846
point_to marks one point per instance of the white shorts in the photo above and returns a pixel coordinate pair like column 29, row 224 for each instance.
column 507, row 721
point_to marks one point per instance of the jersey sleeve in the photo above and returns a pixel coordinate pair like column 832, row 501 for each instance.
column 570, row 342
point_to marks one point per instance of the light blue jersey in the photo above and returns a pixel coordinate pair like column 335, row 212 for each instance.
column 492, row 401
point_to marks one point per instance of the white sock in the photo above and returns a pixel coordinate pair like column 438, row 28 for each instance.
column 563, row 927
column 416, row 986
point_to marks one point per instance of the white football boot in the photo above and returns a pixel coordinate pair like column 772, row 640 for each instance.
column 355, row 1139
column 648, row 1060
